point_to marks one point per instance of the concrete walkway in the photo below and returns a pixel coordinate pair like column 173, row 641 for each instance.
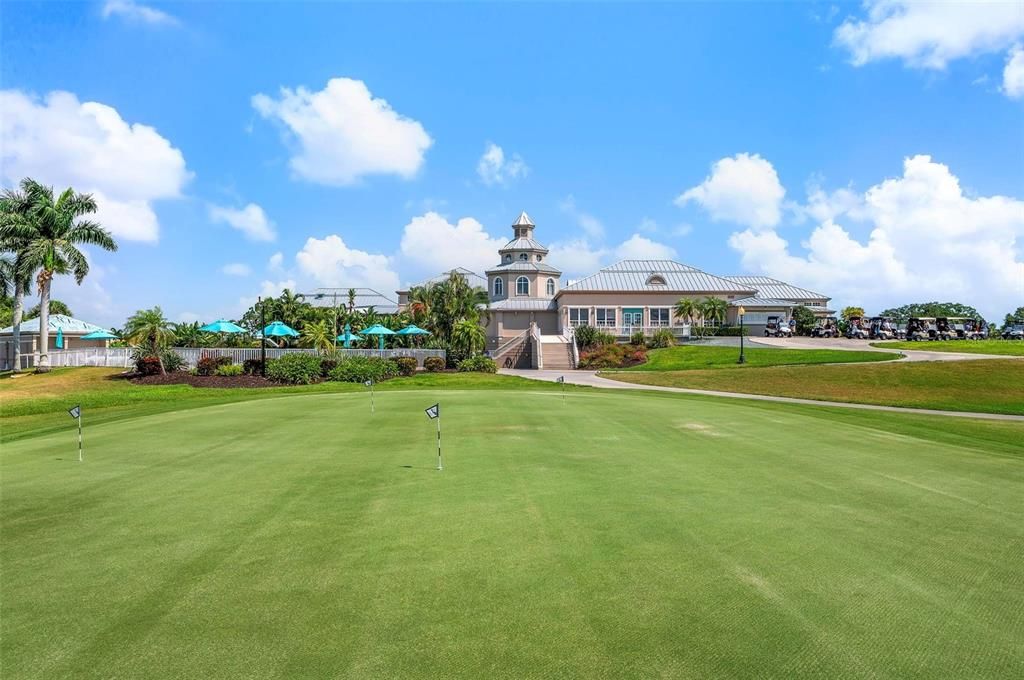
column 592, row 379
column 863, row 346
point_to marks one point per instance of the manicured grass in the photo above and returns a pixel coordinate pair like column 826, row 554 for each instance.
column 1013, row 348
column 986, row 386
column 687, row 357
column 35, row 404
column 617, row 535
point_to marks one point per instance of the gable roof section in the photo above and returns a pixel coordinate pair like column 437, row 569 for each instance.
column 68, row 324
column 768, row 287
column 633, row 275
column 472, row 278
column 365, row 297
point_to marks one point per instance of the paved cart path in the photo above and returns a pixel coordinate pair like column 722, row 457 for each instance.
column 592, row 379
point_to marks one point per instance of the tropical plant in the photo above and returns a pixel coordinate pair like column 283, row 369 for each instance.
column 713, row 309
column 229, row 370
column 433, row 364
column 189, row 335
column 317, row 335
column 150, row 331
column 406, row 366
column 584, row 336
column 637, row 338
column 849, row 312
column 686, row 308
column 298, row 369
column 361, row 369
column 901, row 314
column 469, row 336
column 14, row 211
column 50, row 230
column 292, row 308
column 478, row 364
column 662, row 338
column 56, row 307
column 805, row 320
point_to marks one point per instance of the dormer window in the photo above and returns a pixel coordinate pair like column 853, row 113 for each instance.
column 656, row 280
column 523, row 256
column 539, row 258
column 508, row 258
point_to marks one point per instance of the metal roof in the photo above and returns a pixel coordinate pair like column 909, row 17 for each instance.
column 768, row 287
column 471, row 277
column 520, row 266
column 523, row 243
column 365, row 297
column 513, row 305
column 763, row 302
column 523, row 220
column 67, row 324
column 634, row 275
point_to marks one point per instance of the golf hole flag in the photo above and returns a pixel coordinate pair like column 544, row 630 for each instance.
column 76, row 413
column 434, row 413
column 369, row 384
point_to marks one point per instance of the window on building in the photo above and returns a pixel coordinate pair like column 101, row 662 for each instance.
column 604, row 317
column 551, row 286
column 579, row 316
column 522, row 286
column 656, row 280
column 523, row 256
column 499, row 287
column 539, row 258
column 508, row 258
column 660, row 316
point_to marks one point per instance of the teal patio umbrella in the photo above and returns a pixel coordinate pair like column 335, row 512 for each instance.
column 279, row 329
column 348, row 336
column 380, row 332
column 413, row 329
column 222, row 326
column 60, row 337
column 100, row 334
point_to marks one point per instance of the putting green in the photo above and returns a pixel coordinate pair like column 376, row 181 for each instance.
column 615, row 535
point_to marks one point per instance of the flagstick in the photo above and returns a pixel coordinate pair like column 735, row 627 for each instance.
column 439, row 466
column 372, row 408
column 79, row 436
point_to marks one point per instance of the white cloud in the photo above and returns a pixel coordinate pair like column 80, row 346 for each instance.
column 578, row 257
column 133, row 11
column 494, row 168
column 250, row 220
column 330, row 262
column 274, row 263
column 648, row 225
column 638, row 247
column 930, row 34
column 587, row 222
column 928, row 241
column 236, row 269
column 1013, row 73
column 682, row 229
column 431, row 244
column 342, row 133
column 87, row 145
column 744, row 189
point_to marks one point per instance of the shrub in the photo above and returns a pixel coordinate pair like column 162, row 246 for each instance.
column 478, row 364
column 585, row 337
column 361, row 369
column 613, row 356
column 662, row 338
column 454, row 356
column 602, row 339
column 172, row 360
column 406, row 366
column 433, row 364
column 229, row 370
column 298, row 369
column 637, row 338
column 208, row 365
column 326, row 366
column 731, row 331
column 251, row 366
column 148, row 365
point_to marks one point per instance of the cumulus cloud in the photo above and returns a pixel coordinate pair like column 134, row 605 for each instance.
column 638, row 247
column 250, row 220
column 342, row 133
column 431, row 244
column 331, row 262
column 236, row 269
column 578, row 257
column 927, row 240
column 139, row 13
column 587, row 222
column 1013, row 73
column 930, row 34
column 743, row 188
column 494, row 168
column 87, row 145
column 275, row 261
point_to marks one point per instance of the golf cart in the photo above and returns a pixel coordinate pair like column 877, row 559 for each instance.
column 776, row 327
column 975, row 329
column 826, row 328
column 1014, row 332
column 884, row 328
column 857, row 329
column 921, row 328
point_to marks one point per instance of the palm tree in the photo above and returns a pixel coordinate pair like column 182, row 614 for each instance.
column 56, row 307
column 317, row 334
column 189, row 335
column 290, row 306
column 420, row 303
column 686, row 308
column 151, row 331
column 50, row 229
column 351, row 300
column 469, row 335
column 714, row 309
column 14, row 209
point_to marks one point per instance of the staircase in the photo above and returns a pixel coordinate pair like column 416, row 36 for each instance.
column 556, row 352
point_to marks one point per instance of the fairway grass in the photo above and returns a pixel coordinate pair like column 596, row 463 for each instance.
column 1011, row 348
column 618, row 534
column 688, row 357
column 981, row 386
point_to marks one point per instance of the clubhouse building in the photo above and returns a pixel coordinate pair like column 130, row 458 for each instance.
column 528, row 301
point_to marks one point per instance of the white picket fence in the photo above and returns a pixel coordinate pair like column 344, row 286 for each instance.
column 120, row 357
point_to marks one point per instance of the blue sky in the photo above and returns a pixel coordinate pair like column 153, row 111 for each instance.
column 873, row 152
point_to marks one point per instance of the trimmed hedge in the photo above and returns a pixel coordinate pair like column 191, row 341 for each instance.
column 229, row 370
column 478, row 364
column 406, row 366
column 361, row 369
column 297, row 369
column 433, row 364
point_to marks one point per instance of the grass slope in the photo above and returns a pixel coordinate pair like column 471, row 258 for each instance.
column 686, row 357
column 1013, row 348
column 667, row 536
column 985, row 386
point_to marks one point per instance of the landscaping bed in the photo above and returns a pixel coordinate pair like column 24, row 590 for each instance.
column 185, row 378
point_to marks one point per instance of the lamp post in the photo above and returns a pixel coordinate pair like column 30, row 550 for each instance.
column 263, row 338
column 742, row 359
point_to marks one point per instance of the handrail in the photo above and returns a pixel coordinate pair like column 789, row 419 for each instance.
column 574, row 351
column 538, row 349
column 504, row 347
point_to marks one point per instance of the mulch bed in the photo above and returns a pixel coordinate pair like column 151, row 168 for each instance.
column 183, row 378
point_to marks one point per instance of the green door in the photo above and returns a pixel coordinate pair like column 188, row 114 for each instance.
column 632, row 320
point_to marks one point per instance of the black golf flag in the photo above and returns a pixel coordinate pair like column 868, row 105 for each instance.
column 368, row 383
column 434, row 411
column 560, row 379
column 75, row 411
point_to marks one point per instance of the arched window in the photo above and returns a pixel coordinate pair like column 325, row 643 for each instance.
column 523, row 256
column 551, row 286
column 508, row 258
column 522, row 286
column 656, row 280
column 539, row 258
column 499, row 287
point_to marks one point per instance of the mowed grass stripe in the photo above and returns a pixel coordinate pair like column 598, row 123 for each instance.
column 620, row 535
